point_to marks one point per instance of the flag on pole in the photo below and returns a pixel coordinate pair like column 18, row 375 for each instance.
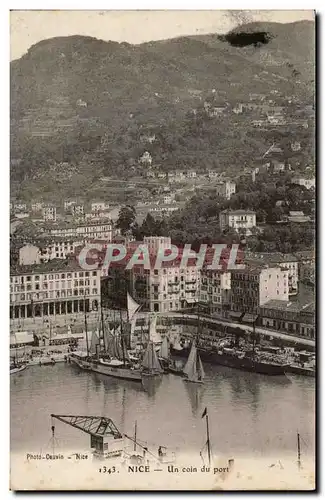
column 205, row 412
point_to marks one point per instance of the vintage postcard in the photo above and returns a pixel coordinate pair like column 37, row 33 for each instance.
column 162, row 250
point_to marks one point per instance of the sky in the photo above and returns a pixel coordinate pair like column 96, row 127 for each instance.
column 30, row 27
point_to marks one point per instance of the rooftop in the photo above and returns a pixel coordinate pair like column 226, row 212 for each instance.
column 238, row 212
column 274, row 257
column 53, row 265
column 290, row 306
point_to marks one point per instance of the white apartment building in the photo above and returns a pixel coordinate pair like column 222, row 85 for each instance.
column 49, row 214
column 99, row 206
column 54, row 288
column 254, row 286
column 215, row 290
column 240, row 220
column 287, row 262
column 167, row 289
column 86, row 231
column 226, row 189
column 20, row 207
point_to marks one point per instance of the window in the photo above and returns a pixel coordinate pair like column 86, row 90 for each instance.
column 28, row 278
column 75, row 283
column 37, row 286
column 87, row 273
column 94, row 291
column 57, row 276
column 155, row 272
column 22, row 296
column 62, row 276
column 51, row 277
column 81, row 275
column 69, row 276
column 94, row 282
column 94, row 273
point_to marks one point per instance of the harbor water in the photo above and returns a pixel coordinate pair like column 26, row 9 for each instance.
column 249, row 414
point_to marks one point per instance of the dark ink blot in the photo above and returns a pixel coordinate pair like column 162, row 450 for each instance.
column 242, row 39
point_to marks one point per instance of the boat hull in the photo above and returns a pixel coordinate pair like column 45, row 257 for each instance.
column 299, row 370
column 17, row 369
column 116, row 372
column 193, row 381
column 175, row 371
column 244, row 364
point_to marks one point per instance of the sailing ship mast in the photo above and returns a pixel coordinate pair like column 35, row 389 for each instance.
column 102, row 323
column 208, row 443
column 298, row 451
column 122, row 339
column 86, row 327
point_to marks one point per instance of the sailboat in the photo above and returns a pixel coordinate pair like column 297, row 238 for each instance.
column 193, row 369
column 163, row 354
column 111, row 356
column 151, row 366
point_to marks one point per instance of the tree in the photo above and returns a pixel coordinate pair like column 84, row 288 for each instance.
column 126, row 219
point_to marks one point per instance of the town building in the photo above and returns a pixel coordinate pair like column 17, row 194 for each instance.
column 49, row 213
column 146, row 159
column 239, row 220
column 215, row 290
column 307, row 183
column 290, row 317
column 212, row 174
column 99, row 206
column 253, row 286
column 55, row 288
column 45, row 250
column 77, row 210
column 86, row 231
column 37, row 206
column 225, row 189
column 156, row 243
column 20, row 207
column 169, row 288
column 286, row 262
column 297, row 217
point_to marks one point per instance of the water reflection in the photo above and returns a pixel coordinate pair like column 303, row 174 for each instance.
column 195, row 395
column 246, row 411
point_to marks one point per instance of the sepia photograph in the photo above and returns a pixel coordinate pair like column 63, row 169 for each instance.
column 162, row 250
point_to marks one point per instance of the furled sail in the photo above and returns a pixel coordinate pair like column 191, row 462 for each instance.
column 150, row 361
column 190, row 368
column 94, row 342
column 164, row 349
column 132, row 306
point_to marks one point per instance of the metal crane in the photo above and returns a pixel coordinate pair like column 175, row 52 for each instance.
column 105, row 437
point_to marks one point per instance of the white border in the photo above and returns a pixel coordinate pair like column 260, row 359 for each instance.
column 4, row 199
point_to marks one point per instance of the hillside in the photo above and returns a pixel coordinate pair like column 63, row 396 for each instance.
column 80, row 105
